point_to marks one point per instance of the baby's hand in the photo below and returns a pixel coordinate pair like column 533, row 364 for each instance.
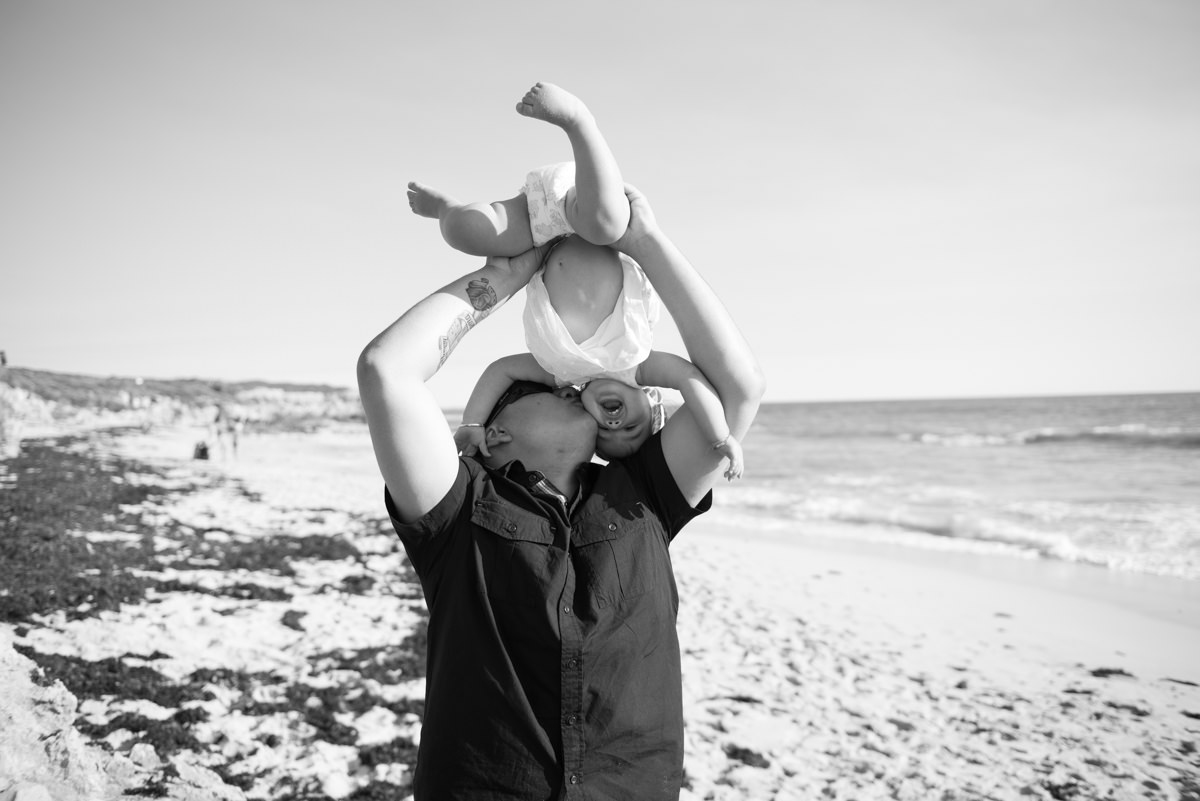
column 471, row 440
column 521, row 266
column 731, row 449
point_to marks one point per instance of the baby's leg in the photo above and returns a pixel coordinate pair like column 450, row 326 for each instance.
column 480, row 229
column 596, row 208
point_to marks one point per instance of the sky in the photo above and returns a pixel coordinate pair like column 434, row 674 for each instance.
column 894, row 200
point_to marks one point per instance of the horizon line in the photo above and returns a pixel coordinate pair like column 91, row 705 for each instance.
column 765, row 402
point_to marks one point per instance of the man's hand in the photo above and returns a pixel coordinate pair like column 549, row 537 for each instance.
column 641, row 221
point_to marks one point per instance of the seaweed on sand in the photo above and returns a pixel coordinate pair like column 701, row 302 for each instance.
column 60, row 487
column 385, row 664
column 166, row 736
column 398, row 751
column 86, row 678
column 272, row 554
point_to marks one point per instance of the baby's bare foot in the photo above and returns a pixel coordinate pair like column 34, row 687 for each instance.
column 428, row 202
column 554, row 105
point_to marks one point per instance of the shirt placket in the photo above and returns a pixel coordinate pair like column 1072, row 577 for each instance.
column 571, row 650
column 570, row 638
column 571, row 673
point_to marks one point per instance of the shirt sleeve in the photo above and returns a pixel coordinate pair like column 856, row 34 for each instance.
column 648, row 468
column 425, row 538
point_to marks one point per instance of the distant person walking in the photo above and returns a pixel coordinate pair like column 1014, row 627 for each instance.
column 225, row 431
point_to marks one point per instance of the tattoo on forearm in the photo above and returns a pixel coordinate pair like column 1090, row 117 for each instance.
column 458, row 329
column 484, row 300
column 481, row 294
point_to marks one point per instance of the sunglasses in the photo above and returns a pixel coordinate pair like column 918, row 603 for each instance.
column 516, row 391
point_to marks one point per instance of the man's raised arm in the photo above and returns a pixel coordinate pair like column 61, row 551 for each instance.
column 413, row 446
column 713, row 342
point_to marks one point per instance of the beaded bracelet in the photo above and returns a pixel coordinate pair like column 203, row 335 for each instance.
column 716, row 446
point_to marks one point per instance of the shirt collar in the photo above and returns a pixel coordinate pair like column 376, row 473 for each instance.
column 537, row 483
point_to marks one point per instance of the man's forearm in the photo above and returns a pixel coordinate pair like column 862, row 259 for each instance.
column 415, row 450
column 419, row 343
column 421, row 340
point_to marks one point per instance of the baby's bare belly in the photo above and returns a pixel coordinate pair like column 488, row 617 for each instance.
column 583, row 282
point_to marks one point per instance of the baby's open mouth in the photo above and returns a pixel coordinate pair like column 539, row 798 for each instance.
column 612, row 410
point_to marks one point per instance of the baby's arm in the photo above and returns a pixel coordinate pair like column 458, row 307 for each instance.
column 668, row 370
column 496, row 378
column 596, row 207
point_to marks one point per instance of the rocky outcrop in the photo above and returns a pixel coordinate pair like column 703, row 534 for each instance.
column 19, row 409
column 41, row 753
column 43, row 757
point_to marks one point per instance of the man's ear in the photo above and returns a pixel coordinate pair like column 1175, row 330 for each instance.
column 496, row 435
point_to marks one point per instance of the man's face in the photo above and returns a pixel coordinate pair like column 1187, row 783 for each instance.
column 550, row 419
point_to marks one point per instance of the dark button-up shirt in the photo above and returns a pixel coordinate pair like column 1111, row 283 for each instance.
column 553, row 664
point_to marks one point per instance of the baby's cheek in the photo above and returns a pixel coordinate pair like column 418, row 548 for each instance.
column 640, row 402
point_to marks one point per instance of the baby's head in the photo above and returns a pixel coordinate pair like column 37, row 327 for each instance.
column 626, row 416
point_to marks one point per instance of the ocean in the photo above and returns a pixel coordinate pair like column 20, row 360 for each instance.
column 1108, row 480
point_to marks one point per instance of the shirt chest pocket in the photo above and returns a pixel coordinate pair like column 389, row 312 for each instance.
column 621, row 554
column 515, row 557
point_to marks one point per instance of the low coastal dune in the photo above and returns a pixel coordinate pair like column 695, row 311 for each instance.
column 249, row 628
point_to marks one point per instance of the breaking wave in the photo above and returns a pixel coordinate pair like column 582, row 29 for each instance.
column 1131, row 435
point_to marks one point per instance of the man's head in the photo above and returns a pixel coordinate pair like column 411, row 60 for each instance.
column 543, row 427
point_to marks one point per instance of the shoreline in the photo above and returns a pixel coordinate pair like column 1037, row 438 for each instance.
column 1168, row 599
column 1069, row 613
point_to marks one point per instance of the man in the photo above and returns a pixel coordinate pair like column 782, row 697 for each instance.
column 553, row 665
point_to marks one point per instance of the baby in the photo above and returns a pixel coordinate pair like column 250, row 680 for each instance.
column 590, row 311
column 587, row 197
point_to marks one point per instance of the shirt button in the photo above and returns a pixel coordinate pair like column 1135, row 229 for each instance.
column 511, row 527
column 575, row 778
column 572, row 720
column 566, row 610
column 574, row 663
column 612, row 526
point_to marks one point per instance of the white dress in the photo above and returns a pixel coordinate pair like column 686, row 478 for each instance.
column 623, row 340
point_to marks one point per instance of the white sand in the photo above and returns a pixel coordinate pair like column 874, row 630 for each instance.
column 880, row 674
column 812, row 669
